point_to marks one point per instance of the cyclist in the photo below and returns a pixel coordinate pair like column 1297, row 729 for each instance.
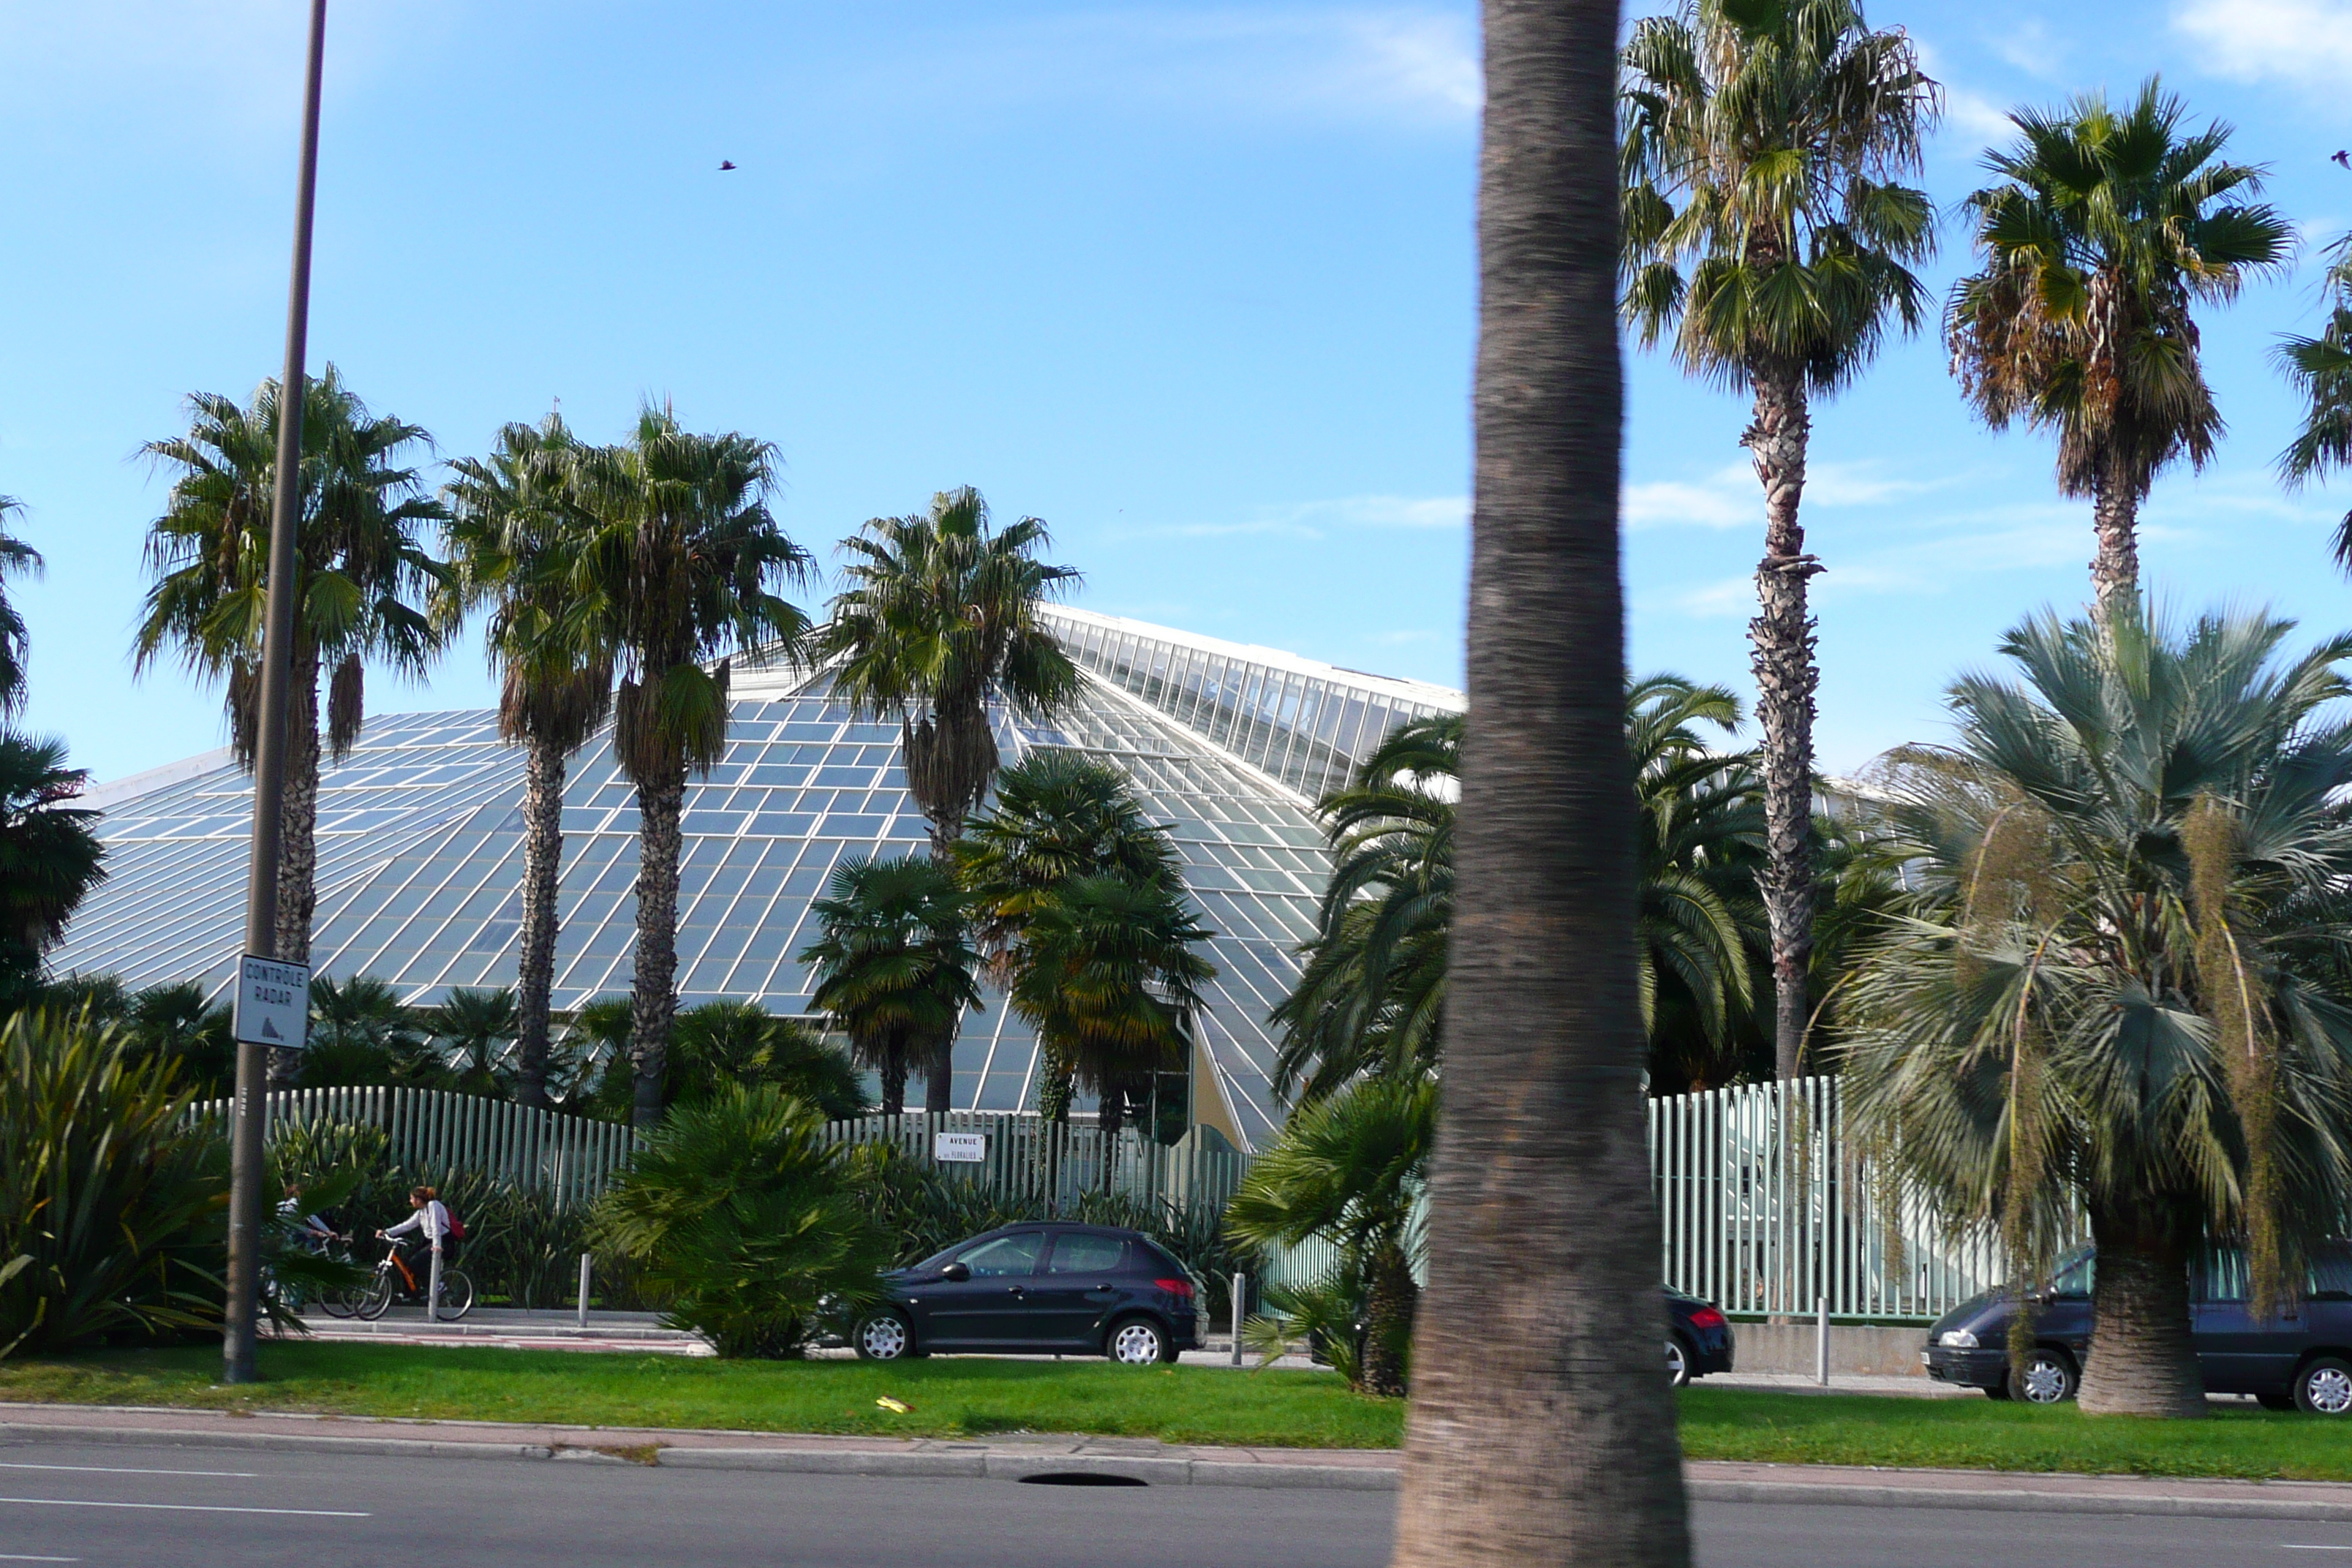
column 309, row 1231
column 429, row 1224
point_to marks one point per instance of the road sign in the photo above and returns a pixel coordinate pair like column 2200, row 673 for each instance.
column 960, row 1148
column 273, row 1003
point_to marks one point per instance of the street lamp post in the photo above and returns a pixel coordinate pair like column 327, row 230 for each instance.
column 269, row 754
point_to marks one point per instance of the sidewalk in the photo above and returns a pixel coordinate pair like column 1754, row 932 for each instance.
column 1020, row 1456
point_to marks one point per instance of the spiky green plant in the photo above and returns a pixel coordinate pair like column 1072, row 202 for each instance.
column 742, row 1209
column 2124, row 992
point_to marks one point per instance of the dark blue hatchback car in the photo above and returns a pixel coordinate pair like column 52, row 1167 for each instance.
column 1047, row 1287
column 2298, row 1360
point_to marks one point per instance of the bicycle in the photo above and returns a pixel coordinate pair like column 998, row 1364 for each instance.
column 393, row 1280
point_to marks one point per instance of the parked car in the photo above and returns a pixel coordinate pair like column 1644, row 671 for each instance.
column 1034, row 1289
column 2298, row 1360
column 1698, row 1338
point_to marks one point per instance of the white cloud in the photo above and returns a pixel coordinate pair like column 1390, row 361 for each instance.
column 2307, row 43
column 1320, row 519
column 1977, row 116
column 1730, row 497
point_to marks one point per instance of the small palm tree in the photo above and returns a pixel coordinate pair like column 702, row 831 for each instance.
column 674, row 576
column 1765, row 222
column 510, row 527
column 364, row 580
column 1350, row 1167
column 2321, row 369
column 474, row 1029
column 176, row 1020
column 50, row 857
column 895, row 970
column 2107, row 228
column 360, row 1032
column 727, row 1043
column 940, row 618
column 15, row 557
column 2124, row 985
column 1107, row 975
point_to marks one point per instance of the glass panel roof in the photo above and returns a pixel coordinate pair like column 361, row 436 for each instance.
column 420, row 844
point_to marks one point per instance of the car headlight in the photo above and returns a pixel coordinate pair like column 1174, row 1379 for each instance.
column 1957, row 1339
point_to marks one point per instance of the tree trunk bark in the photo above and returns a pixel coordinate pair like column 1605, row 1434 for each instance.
column 939, row 1077
column 1540, row 1429
column 1054, row 1087
column 1110, row 1107
column 653, row 996
column 542, row 861
column 1387, row 1323
column 2115, row 514
column 1782, row 638
column 297, row 834
column 2142, row 1362
column 893, row 1084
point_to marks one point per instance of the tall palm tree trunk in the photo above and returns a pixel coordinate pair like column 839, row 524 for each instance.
column 2141, row 1361
column 1540, row 1429
column 2115, row 514
column 543, row 859
column 939, row 1077
column 297, row 833
column 1786, row 678
column 653, row 996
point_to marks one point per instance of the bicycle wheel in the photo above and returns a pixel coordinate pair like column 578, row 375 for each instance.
column 456, row 1295
column 374, row 1297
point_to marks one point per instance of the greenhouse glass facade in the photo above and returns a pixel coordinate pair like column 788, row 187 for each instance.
column 420, row 846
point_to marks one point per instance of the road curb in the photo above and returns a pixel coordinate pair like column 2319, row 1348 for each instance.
column 981, row 1461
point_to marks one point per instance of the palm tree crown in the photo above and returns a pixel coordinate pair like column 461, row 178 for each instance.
column 16, row 556
column 942, row 615
column 2106, row 228
column 50, row 855
column 2124, row 985
column 893, row 966
column 2321, row 369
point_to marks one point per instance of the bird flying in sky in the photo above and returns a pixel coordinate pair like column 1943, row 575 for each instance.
column 2343, row 157
column 724, row 165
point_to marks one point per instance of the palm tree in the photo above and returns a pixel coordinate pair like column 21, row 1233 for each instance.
column 1107, row 976
column 726, row 1042
column 1783, row 132
column 673, row 577
column 50, row 857
column 942, row 617
column 894, row 969
column 472, row 1028
column 2321, row 369
column 511, row 523
column 2123, row 988
column 1539, row 1429
column 360, row 1032
column 176, row 1020
column 2107, row 227
column 363, row 580
column 1352, row 1167
column 16, row 556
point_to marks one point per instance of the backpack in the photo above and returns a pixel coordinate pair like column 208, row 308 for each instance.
column 456, row 1231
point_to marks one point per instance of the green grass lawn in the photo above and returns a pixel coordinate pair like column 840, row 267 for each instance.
column 963, row 1398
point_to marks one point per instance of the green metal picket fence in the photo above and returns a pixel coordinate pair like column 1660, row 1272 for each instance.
column 570, row 1157
column 1028, row 1157
column 1768, row 1205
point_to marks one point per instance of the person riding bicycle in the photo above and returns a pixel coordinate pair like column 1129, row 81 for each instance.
column 311, row 1231
column 429, row 1225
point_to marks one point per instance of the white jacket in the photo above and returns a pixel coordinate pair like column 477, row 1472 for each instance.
column 432, row 1221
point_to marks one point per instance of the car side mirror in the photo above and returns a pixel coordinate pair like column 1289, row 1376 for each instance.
column 956, row 1272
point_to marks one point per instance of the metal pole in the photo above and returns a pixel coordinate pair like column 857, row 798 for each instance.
column 1241, row 1294
column 583, row 1289
column 269, row 754
column 1821, row 1340
column 433, row 1291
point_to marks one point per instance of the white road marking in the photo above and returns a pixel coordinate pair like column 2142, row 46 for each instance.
column 187, row 1507
column 2294, row 1546
column 21, row 1557
column 132, row 1470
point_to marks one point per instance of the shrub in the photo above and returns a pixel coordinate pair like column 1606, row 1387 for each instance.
column 739, row 1209
column 115, row 1204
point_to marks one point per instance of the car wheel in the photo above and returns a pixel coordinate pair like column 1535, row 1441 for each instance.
column 883, row 1336
column 2324, row 1387
column 1137, row 1342
column 2047, row 1377
column 1678, row 1362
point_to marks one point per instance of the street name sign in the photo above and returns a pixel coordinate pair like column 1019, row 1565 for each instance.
column 960, row 1148
column 273, row 1003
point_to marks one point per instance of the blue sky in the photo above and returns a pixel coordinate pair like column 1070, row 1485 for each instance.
column 1190, row 281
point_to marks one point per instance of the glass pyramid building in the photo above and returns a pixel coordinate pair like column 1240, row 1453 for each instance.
column 420, row 846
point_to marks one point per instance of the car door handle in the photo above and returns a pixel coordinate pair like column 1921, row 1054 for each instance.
column 1102, row 1289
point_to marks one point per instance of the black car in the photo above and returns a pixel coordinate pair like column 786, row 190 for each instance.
column 1698, row 1338
column 2299, row 1360
column 1038, row 1288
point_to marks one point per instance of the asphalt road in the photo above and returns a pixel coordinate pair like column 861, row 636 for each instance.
column 166, row 1507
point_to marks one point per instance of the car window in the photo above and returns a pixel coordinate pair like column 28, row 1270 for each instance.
column 2331, row 1273
column 2073, row 1279
column 1014, row 1253
column 1081, row 1254
column 2222, row 1275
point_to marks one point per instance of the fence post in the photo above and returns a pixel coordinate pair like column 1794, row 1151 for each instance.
column 1241, row 1294
column 1821, row 1340
column 583, row 1289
